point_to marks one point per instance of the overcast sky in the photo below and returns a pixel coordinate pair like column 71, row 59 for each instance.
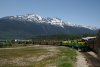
column 82, row 12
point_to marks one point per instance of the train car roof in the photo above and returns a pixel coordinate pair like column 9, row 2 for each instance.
column 87, row 38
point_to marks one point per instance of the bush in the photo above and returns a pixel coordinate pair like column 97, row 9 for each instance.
column 1, row 45
column 8, row 43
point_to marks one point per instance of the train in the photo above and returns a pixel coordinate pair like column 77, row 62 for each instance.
column 37, row 42
column 94, row 44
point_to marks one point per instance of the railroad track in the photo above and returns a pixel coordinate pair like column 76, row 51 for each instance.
column 91, row 59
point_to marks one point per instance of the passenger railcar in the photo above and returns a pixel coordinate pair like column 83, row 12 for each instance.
column 98, row 45
column 90, row 44
column 94, row 44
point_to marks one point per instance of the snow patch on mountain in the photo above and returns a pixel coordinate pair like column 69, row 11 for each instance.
column 91, row 27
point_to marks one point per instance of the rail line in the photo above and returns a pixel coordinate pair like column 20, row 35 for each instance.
column 93, row 61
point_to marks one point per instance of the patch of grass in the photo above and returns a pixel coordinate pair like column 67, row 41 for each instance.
column 9, row 53
column 68, row 58
column 16, row 45
column 38, row 57
column 65, row 65
column 65, row 58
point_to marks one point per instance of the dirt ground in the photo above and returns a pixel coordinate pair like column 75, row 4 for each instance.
column 81, row 61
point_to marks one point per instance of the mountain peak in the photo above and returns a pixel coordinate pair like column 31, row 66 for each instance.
column 57, row 18
column 39, row 19
column 30, row 14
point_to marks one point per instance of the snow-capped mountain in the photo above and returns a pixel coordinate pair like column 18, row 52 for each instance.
column 29, row 25
column 53, row 21
column 37, row 18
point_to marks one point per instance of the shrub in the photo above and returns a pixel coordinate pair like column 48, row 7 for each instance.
column 1, row 45
column 8, row 43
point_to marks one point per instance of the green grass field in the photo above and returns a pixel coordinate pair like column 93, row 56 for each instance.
column 38, row 56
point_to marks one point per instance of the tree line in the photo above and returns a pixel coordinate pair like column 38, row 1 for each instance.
column 61, row 37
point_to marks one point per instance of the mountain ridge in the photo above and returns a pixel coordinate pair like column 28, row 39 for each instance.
column 30, row 25
column 33, row 17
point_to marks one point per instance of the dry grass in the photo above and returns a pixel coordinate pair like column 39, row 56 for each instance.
column 38, row 56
